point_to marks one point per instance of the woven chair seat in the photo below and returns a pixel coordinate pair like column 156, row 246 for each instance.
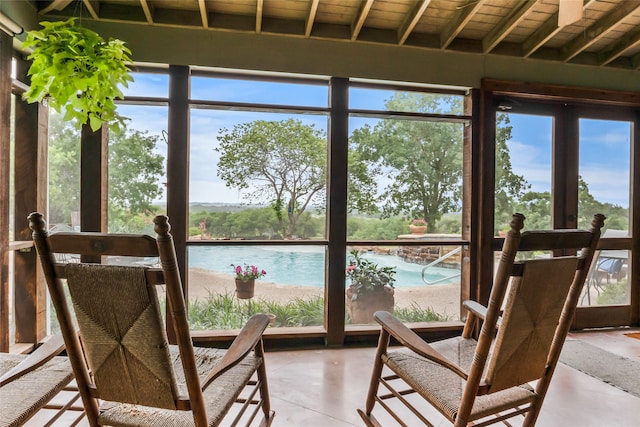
column 219, row 396
column 442, row 387
column 23, row 397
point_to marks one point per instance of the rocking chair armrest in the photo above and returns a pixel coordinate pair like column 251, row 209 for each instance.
column 245, row 342
column 45, row 352
column 476, row 308
column 411, row 340
column 479, row 310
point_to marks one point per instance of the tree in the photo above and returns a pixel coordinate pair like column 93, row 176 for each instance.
column 509, row 187
column 617, row 216
column 421, row 161
column 281, row 163
column 537, row 209
column 64, row 170
column 134, row 171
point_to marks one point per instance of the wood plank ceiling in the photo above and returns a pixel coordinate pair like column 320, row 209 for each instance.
column 606, row 32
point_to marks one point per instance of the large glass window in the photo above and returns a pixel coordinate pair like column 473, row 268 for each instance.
column 64, row 174
column 257, row 172
column 137, row 169
column 405, row 185
column 257, row 175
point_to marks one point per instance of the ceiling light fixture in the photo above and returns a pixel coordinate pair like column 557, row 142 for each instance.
column 569, row 11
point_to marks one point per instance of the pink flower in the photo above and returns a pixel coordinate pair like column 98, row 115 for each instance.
column 247, row 272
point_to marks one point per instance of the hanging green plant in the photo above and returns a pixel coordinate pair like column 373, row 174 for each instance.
column 78, row 72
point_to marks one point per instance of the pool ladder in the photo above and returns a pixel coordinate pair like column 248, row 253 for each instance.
column 435, row 263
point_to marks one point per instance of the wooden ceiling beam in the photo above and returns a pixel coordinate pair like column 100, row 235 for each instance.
column 259, row 8
column 546, row 31
column 619, row 48
column 543, row 34
column 55, row 5
column 635, row 61
column 148, row 10
column 93, row 6
column 457, row 24
column 311, row 17
column 204, row 15
column 508, row 23
column 357, row 24
column 412, row 20
column 600, row 28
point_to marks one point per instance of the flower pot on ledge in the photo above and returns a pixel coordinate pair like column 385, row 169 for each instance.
column 362, row 309
column 245, row 288
column 417, row 229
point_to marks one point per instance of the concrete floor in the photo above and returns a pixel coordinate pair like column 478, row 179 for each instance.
column 320, row 388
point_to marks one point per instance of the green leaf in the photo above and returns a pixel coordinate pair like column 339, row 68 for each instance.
column 95, row 123
column 76, row 69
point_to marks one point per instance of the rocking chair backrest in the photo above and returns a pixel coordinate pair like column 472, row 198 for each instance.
column 116, row 307
column 123, row 334
column 542, row 298
column 529, row 322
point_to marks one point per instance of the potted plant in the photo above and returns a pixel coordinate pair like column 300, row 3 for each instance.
column 77, row 72
column 245, row 277
column 371, row 288
column 418, row 226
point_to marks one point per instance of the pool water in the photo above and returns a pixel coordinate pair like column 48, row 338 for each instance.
column 304, row 265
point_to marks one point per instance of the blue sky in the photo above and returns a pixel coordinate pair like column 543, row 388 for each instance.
column 604, row 154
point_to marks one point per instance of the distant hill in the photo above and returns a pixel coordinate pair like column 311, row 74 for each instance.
column 219, row 207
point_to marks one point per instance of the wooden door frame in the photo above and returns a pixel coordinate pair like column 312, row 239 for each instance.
column 581, row 100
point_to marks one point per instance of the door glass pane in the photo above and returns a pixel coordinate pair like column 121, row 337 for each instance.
column 608, row 279
column 604, row 187
column 523, row 170
column 604, row 173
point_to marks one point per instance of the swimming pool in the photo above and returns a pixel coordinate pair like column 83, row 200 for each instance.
column 303, row 265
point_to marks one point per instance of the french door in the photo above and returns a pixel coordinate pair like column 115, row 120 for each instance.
column 570, row 162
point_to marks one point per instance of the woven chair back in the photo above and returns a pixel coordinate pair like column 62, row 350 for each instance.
column 534, row 304
column 123, row 334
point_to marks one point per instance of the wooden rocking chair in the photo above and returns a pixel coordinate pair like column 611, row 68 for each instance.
column 127, row 373
column 29, row 382
column 484, row 381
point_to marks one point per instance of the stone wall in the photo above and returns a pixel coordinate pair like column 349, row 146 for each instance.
column 424, row 255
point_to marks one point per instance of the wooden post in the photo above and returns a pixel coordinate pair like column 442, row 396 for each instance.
column 470, row 199
column 336, row 211
column 6, row 49
column 31, row 140
column 93, row 181
column 178, row 170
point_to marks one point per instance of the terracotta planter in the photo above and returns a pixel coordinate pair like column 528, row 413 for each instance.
column 245, row 288
column 417, row 229
column 361, row 310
